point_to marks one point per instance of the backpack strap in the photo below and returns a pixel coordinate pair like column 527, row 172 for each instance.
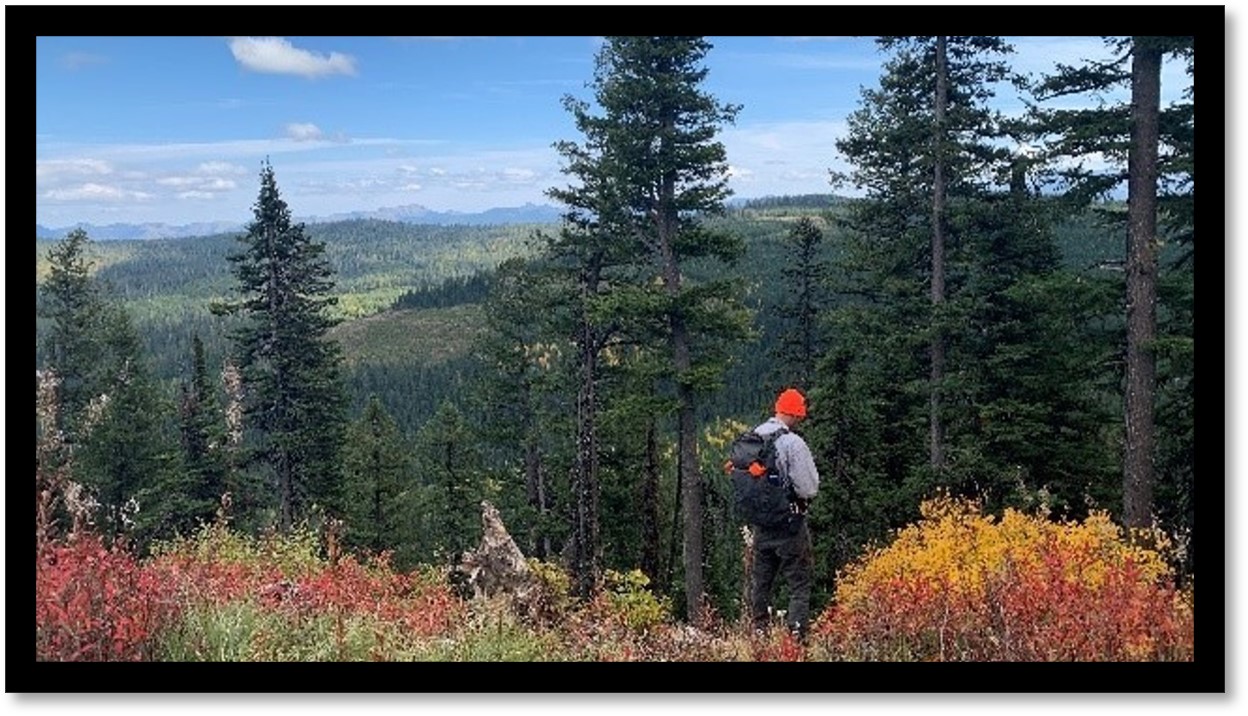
column 771, row 439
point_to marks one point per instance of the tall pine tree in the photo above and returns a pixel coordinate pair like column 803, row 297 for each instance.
column 924, row 147
column 448, row 461
column 920, row 142
column 294, row 398
column 73, row 345
column 651, row 170
column 517, row 399
column 1150, row 151
column 991, row 376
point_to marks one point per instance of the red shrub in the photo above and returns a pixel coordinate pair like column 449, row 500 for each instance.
column 94, row 603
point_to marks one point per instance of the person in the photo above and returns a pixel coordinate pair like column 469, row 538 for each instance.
column 786, row 551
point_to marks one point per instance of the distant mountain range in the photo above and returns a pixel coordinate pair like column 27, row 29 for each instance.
column 409, row 214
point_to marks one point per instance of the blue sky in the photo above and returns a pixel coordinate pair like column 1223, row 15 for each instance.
column 173, row 129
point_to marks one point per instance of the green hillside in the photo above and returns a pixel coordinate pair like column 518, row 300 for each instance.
column 431, row 336
column 168, row 285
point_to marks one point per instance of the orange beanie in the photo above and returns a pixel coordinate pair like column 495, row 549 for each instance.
column 791, row 402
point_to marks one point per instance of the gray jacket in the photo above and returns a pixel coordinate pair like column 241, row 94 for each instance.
column 794, row 459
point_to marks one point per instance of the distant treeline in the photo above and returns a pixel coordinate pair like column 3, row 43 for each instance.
column 453, row 291
column 795, row 201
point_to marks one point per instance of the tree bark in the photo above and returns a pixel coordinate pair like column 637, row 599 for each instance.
column 937, row 438
column 585, row 478
column 539, row 541
column 667, row 224
column 650, row 507
column 692, row 490
column 1141, row 279
column 689, row 476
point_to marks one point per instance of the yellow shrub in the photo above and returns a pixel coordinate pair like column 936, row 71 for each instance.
column 960, row 584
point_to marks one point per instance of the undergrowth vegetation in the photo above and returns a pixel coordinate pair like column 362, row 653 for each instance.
column 963, row 586
column 958, row 585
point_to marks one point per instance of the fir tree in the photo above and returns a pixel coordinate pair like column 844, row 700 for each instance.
column 977, row 375
column 651, row 170
column 205, row 461
column 73, row 344
column 112, row 419
column 449, row 463
column 294, row 396
column 925, row 148
column 1158, row 170
column 799, row 343
column 518, row 396
column 380, row 487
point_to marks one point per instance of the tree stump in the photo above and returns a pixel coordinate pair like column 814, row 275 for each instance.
column 497, row 565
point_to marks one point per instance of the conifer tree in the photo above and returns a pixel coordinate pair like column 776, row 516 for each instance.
column 71, row 302
column 294, row 398
column 584, row 259
column 130, row 456
column 449, row 463
column 112, row 418
column 919, row 142
column 996, row 419
column 1156, row 145
column 205, row 463
column 925, row 148
column 800, row 344
column 517, row 394
column 381, row 489
column 651, row 170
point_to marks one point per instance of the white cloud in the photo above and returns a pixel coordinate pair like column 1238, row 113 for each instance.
column 782, row 158
column 195, row 194
column 178, row 181
column 277, row 56
column 209, row 184
column 48, row 169
column 221, row 184
column 514, row 174
column 303, row 131
column 217, row 168
column 95, row 192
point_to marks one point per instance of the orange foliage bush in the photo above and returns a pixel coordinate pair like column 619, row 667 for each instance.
column 962, row 586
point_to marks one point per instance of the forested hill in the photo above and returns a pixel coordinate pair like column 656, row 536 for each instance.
column 375, row 261
column 411, row 294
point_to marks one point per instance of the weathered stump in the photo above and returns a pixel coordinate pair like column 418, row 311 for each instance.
column 498, row 571
column 497, row 566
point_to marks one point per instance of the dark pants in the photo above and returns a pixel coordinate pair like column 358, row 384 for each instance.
column 790, row 556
